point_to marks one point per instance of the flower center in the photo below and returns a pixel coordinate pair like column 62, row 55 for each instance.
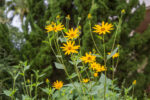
column 69, row 48
column 102, row 29
column 89, row 58
column 54, row 28
column 72, row 35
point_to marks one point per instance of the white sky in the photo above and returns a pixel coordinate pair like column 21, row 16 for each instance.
column 147, row 2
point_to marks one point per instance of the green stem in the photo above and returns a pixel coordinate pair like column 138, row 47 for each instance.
column 14, row 82
column 52, row 47
column 36, row 86
column 116, row 32
column 113, row 69
column 25, row 82
column 67, row 24
column 133, row 92
column 104, row 66
column 60, row 61
column 94, row 40
column 31, row 87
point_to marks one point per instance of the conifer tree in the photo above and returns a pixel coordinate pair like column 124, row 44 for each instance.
column 132, row 49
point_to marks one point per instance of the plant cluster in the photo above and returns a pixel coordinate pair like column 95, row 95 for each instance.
column 89, row 79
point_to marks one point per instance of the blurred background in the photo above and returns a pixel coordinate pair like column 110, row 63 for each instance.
column 22, row 24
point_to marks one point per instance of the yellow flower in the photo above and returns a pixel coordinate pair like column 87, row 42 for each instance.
column 68, row 17
column 134, row 82
column 89, row 16
column 28, row 81
column 58, row 84
column 103, row 29
column 70, row 92
column 47, row 80
column 58, row 16
column 70, row 48
column 95, row 74
column 85, row 80
column 54, row 27
column 94, row 65
column 100, row 69
column 79, row 27
column 123, row 11
column 88, row 58
column 72, row 34
column 115, row 55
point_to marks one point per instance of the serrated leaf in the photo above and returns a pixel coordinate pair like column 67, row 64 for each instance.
column 59, row 66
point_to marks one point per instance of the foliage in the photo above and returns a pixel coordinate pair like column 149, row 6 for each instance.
column 34, row 13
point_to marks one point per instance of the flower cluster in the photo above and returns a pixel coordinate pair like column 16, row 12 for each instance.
column 97, row 67
column 69, row 47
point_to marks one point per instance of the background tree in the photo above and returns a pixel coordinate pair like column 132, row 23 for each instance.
column 35, row 14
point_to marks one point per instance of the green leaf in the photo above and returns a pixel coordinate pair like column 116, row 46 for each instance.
column 41, row 75
column 58, row 56
column 17, row 75
column 97, row 55
column 59, row 66
column 65, row 30
column 47, row 69
column 46, row 90
column 26, row 97
column 112, row 53
column 39, row 83
column 8, row 92
column 73, row 75
column 26, row 67
column 45, row 42
column 100, row 37
column 102, row 80
column 22, row 74
column 62, row 39
column 95, row 89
